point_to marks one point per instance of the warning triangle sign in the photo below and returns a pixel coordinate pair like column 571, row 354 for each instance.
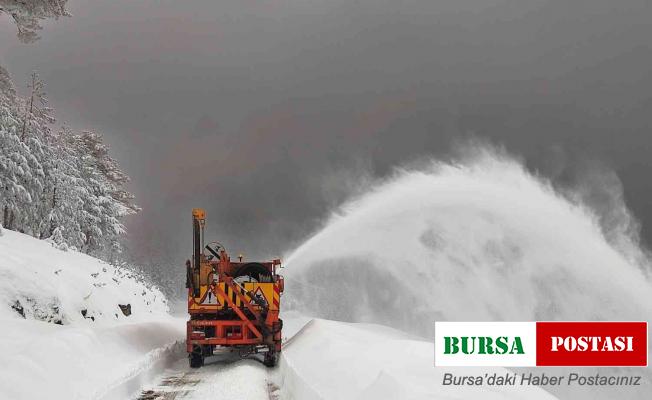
column 211, row 298
column 258, row 293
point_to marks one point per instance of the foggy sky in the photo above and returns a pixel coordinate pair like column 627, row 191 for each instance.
column 269, row 113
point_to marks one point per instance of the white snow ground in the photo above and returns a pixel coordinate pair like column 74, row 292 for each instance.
column 341, row 361
column 116, row 357
column 220, row 378
column 84, row 358
column 330, row 360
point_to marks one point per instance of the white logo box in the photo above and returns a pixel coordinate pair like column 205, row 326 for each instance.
column 527, row 331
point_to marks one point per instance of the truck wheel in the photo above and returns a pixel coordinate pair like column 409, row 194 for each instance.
column 196, row 360
column 271, row 359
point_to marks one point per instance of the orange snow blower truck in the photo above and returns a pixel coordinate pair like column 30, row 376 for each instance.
column 231, row 304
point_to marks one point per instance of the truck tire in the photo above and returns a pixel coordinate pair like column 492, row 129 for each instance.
column 196, row 358
column 271, row 358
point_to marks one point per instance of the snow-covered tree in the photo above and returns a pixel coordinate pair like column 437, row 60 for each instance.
column 107, row 201
column 62, row 185
column 36, row 135
column 20, row 171
column 64, row 191
column 28, row 14
column 36, row 109
column 59, row 185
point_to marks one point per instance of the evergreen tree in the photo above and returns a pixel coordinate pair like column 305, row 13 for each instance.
column 36, row 134
column 27, row 14
column 63, row 186
column 20, row 171
column 107, row 202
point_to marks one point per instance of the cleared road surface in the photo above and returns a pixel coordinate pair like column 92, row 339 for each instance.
column 224, row 378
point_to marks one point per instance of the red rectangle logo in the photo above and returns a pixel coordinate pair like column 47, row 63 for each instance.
column 595, row 344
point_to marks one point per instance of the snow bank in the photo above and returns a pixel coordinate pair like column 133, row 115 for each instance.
column 42, row 360
column 481, row 239
column 54, row 285
column 337, row 360
column 50, row 349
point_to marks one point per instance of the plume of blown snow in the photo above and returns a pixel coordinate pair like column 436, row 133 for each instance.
column 476, row 239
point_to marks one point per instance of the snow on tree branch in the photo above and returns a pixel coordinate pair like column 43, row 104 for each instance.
column 28, row 14
column 61, row 185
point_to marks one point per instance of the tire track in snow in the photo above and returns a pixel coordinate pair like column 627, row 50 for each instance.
column 221, row 378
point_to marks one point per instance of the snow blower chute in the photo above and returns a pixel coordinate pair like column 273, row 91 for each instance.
column 231, row 304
